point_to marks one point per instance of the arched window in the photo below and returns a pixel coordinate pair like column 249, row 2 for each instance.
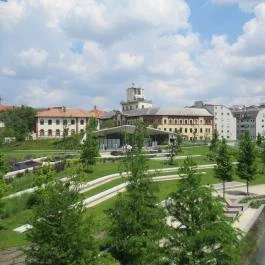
column 57, row 132
column 50, row 132
column 41, row 132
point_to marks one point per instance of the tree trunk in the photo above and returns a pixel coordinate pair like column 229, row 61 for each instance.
column 247, row 188
column 223, row 189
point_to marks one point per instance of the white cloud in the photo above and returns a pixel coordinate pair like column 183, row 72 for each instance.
column 33, row 57
column 129, row 61
column 246, row 5
column 8, row 72
column 11, row 13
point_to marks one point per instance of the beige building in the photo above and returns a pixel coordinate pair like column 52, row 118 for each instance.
column 191, row 123
column 56, row 122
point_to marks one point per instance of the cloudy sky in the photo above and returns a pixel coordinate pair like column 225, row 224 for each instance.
column 81, row 53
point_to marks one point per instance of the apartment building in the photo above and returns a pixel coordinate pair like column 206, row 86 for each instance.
column 250, row 119
column 59, row 121
column 224, row 120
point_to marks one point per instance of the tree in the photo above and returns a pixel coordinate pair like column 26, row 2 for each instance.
column 263, row 155
column 137, row 222
column 203, row 234
column 90, row 150
column 21, row 121
column 259, row 139
column 93, row 123
column 246, row 168
column 60, row 235
column 214, row 145
column 224, row 168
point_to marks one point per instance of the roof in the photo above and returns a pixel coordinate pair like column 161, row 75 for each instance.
column 5, row 107
column 169, row 112
column 109, row 115
column 130, row 129
column 63, row 112
column 96, row 112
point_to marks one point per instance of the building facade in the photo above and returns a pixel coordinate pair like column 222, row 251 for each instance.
column 224, row 120
column 191, row 123
column 250, row 119
column 59, row 122
column 135, row 100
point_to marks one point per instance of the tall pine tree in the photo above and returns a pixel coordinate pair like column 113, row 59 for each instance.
column 137, row 221
column 246, row 167
column 203, row 234
column 224, row 168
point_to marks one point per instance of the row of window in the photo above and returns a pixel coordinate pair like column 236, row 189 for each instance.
column 57, row 122
column 177, row 122
column 182, row 130
column 58, row 132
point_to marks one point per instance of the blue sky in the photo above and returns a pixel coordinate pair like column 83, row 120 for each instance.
column 81, row 53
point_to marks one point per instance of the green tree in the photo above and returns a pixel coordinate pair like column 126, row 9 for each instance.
column 203, row 234
column 89, row 151
column 214, row 145
column 60, row 235
column 246, row 167
column 93, row 123
column 108, row 124
column 262, row 154
column 21, row 120
column 137, row 222
column 224, row 168
column 259, row 139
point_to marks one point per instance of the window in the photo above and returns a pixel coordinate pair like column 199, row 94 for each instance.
column 190, row 121
column 49, row 132
column 41, row 121
column 57, row 122
column 186, row 130
column 170, row 129
column 190, row 130
column 169, row 121
column 64, row 122
column 180, row 130
column 142, row 106
column 82, row 122
column 165, row 121
column 73, row 122
column 72, row 132
column 165, row 129
column 41, row 132
column 180, row 121
column 200, row 130
column 57, row 132
column 195, row 130
column 186, row 122
column 176, row 130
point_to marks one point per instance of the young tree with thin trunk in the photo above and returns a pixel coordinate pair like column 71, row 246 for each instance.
column 246, row 168
column 59, row 234
column 137, row 222
column 203, row 235
column 224, row 168
column 214, row 145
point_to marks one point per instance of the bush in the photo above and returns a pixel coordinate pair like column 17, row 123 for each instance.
column 33, row 200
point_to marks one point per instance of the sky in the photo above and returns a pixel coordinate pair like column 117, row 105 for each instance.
column 85, row 53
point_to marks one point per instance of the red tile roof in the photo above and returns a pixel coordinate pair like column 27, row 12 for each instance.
column 63, row 112
column 96, row 112
column 5, row 107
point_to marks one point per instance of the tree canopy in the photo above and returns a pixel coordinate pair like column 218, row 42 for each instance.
column 59, row 234
column 224, row 167
column 246, row 167
column 137, row 222
column 20, row 121
column 203, row 235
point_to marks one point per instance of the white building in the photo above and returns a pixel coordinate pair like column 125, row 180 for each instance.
column 250, row 119
column 56, row 122
column 224, row 121
column 135, row 100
